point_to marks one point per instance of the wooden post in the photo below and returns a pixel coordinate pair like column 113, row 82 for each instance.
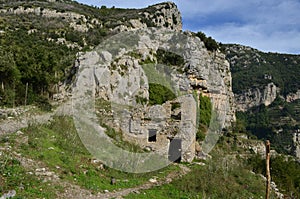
column 26, row 93
column 268, row 175
column 14, row 95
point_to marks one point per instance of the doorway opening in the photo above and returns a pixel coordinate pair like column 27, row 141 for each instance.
column 175, row 150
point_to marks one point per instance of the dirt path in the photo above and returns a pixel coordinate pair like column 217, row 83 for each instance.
column 71, row 190
column 76, row 192
column 79, row 193
column 166, row 180
column 14, row 124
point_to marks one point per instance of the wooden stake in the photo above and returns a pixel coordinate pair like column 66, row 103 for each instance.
column 268, row 175
column 26, row 93
column 14, row 96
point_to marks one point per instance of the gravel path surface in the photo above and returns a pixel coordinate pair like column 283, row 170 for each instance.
column 11, row 125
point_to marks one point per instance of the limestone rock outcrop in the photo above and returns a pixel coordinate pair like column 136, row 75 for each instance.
column 123, row 68
column 164, row 15
column 255, row 97
column 293, row 96
column 206, row 72
column 296, row 141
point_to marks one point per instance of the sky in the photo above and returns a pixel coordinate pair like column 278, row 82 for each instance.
column 267, row 25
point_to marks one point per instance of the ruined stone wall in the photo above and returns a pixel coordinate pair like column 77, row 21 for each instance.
column 188, row 128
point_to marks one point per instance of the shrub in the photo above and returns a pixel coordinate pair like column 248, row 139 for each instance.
column 169, row 58
column 140, row 100
column 209, row 42
column 43, row 103
column 159, row 94
column 148, row 22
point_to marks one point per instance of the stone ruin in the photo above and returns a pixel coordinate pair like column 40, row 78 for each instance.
column 119, row 77
column 168, row 129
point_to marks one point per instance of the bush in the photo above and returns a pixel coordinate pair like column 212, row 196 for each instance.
column 209, row 42
column 140, row 100
column 204, row 115
column 148, row 22
column 73, row 36
column 284, row 172
column 43, row 104
column 159, row 94
column 201, row 132
column 169, row 58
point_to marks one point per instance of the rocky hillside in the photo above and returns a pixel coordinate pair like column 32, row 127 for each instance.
column 44, row 45
column 40, row 39
column 266, row 88
column 259, row 77
column 51, row 50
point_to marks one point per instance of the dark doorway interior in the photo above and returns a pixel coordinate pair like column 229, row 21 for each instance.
column 152, row 135
column 175, row 150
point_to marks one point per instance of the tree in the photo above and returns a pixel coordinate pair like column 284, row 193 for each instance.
column 9, row 72
column 10, row 77
column 209, row 42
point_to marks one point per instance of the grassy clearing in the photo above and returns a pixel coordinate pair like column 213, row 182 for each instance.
column 15, row 177
column 225, row 175
column 57, row 147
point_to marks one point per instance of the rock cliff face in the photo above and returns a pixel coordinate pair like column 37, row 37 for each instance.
column 293, row 96
column 166, row 15
column 255, row 97
column 160, row 15
column 127, row 63
column 260, row 77
column 203, row 71
column 296, row 140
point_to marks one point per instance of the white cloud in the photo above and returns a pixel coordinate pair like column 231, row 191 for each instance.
column 251, row 35
column 269, row 25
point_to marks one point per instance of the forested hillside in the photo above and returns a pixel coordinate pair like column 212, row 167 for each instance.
column 252, row 70
column 39, row 41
